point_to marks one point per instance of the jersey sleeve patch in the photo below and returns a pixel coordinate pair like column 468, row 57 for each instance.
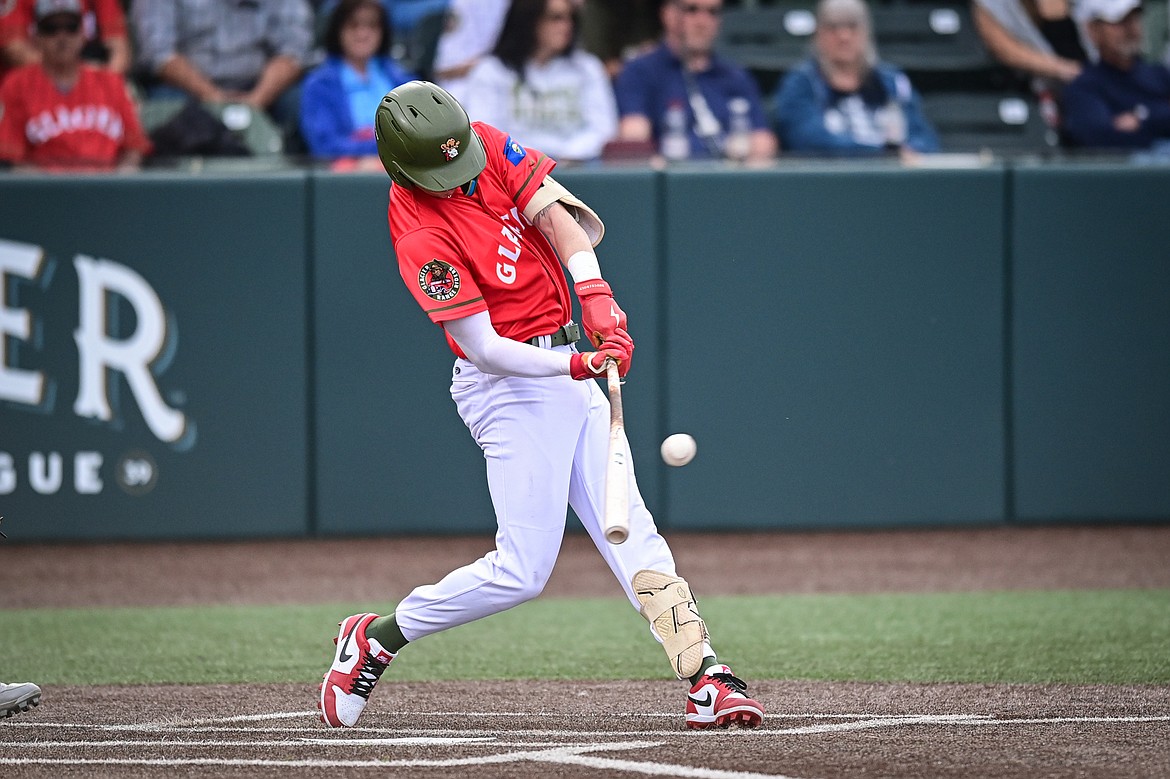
column 513, row 151
column 439, row 280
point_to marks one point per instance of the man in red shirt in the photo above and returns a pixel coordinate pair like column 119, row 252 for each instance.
column 480, row 229
column 62, row 114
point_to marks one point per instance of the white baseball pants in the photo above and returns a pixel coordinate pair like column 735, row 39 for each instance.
column 546, row 442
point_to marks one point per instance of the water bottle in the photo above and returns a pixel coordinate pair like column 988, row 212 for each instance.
column 675, row 143
column 1050, row 111
column 894, row 121
column 739, row 129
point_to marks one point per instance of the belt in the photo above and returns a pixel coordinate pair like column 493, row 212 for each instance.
column 565, row 334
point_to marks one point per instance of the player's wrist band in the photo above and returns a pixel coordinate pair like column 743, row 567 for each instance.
column 583, row 266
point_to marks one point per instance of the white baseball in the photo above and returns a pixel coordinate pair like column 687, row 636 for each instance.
column 678, row 449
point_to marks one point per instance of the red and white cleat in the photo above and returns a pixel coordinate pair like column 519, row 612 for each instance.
column 718, row 699
column 357, row 666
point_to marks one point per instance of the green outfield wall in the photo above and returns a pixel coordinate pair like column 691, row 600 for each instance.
column 843, row 338
column 153, row 381
column 198, row 356
column 1090, row 260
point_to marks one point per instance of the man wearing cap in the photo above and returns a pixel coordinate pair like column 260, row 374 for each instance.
column 689, row 100
column 63, row 114
column 1121, row 101
column 104, row 22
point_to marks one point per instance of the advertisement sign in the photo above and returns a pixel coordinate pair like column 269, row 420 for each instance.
column 152, row 359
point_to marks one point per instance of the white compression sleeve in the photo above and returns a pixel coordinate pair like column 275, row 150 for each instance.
column 492, row 353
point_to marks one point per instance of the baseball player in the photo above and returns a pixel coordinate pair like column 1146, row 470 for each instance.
column 479, row 229
column 15, row 698
column 61, row 113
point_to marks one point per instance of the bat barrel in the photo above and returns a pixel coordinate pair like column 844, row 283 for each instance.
column 617, row 485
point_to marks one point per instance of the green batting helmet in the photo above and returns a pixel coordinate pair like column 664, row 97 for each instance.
column 425, row 138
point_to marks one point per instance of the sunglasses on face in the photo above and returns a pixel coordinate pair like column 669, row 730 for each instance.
column 690, row 9
column 71, row 26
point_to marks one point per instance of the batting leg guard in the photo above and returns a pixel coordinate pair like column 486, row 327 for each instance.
column 670, row 608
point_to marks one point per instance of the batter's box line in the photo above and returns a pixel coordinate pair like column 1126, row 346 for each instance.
column 567, row 755
column 402, row 741
column 543, row 715
column 314, row 715
column 873, row 721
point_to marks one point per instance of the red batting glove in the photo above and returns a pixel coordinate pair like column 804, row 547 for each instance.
column 599, row 311
column 591, row 365
column 620, row 347
column 587, row 365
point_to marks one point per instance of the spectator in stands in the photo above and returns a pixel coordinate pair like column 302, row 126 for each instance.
column 550, row 94
column 1038, row 37
column 404, row 14
column 225, row 51
column 684, row 91
column 619, row 30
column 63, row 114
column 472, row 28
column 1120, row 101
column 843, row 101
column 103, row 21
column 340, row 96
column 417, row 25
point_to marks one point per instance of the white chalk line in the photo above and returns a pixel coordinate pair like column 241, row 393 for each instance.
column 567, row 757
column 485, row 741
column 435, row 737
column 558, row 752
column 406, row 741
column 314, row 715
column 564, row 755
column 858, row 722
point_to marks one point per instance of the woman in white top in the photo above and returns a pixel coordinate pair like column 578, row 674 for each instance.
column 1038, row 37
column 538, row 86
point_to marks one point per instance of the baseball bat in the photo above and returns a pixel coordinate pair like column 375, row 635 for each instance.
column 617, row 485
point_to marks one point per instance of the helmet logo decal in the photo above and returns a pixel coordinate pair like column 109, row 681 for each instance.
column 438, row 280
column 450, row 149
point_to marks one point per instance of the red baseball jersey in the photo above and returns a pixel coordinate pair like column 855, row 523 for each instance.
column 87, row 127
column 472, row 253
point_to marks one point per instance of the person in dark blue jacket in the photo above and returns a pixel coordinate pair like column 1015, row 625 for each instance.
column 687, row 99
column 1120, row 101
column 842, row 101
column 340, row 96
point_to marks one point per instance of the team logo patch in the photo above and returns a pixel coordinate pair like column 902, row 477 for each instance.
column 438, row 280
column 450, row 149
column 513, row 151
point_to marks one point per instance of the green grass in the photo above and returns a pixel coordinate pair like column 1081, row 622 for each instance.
column 1106, row 637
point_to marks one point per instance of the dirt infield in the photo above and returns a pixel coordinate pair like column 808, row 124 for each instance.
column 598, row 731
column 594, row 730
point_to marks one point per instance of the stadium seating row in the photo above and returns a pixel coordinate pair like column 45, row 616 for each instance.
column 974, row 102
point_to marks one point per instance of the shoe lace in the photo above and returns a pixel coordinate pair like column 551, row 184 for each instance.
column 367, row 676
column 734, row 682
